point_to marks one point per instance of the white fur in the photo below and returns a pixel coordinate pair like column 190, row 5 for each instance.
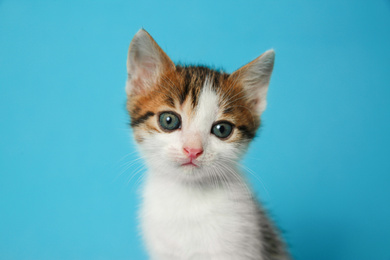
column 187, row 213
column 182, row 222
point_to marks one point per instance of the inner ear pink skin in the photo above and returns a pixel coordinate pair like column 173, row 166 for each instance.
column 192, row 153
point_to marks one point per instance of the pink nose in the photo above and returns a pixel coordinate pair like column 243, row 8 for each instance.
column 193, row 153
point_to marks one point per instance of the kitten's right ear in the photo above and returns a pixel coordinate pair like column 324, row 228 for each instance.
column 255, row 77
column 145, row 63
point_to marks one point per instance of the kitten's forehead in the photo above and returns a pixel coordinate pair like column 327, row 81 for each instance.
column 206, row 110
column 193, row 79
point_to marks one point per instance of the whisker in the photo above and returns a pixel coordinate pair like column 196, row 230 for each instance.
column 258, row 178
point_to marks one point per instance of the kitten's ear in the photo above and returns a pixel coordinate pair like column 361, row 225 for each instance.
column 145, row 63
column 255, row 77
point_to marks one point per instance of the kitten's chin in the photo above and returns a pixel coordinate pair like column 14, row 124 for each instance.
column 186, row 172
column 189, row 171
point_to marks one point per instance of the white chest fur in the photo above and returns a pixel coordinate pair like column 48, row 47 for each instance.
column 188, row 222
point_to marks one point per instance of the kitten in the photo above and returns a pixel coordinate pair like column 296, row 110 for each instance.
column 192, row 125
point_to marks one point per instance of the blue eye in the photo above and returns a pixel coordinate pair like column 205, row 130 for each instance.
column 169, row 121
column 222, row 129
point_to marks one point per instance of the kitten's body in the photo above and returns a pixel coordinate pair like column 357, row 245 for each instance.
column 205, row 223
column 196, row 204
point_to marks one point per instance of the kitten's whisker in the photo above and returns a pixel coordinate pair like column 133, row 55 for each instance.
column 238, row 177
column 234, row 99
column 127, row 166
column 225, row 180
column 139, row 180
column 258, row 178
column 231, row 86
column 136, row 171
column 130, row 162
column 228, row 182
column 126, row 155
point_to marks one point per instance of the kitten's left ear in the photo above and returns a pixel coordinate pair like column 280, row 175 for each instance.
column 146, row 61
column 255, row 77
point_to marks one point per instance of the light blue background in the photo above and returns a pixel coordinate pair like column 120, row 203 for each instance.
column 322, row 155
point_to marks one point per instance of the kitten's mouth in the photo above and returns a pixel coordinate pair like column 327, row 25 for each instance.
column 190, row 163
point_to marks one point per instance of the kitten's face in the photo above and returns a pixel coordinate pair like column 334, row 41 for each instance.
column 192, row 120
column 192, row 123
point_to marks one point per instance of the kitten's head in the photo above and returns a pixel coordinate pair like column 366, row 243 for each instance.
column 191, row 122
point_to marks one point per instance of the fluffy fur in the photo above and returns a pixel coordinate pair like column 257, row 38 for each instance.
column 203, row 210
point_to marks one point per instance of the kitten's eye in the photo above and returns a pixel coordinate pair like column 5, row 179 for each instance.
column 222, row 129
column 169, row 121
